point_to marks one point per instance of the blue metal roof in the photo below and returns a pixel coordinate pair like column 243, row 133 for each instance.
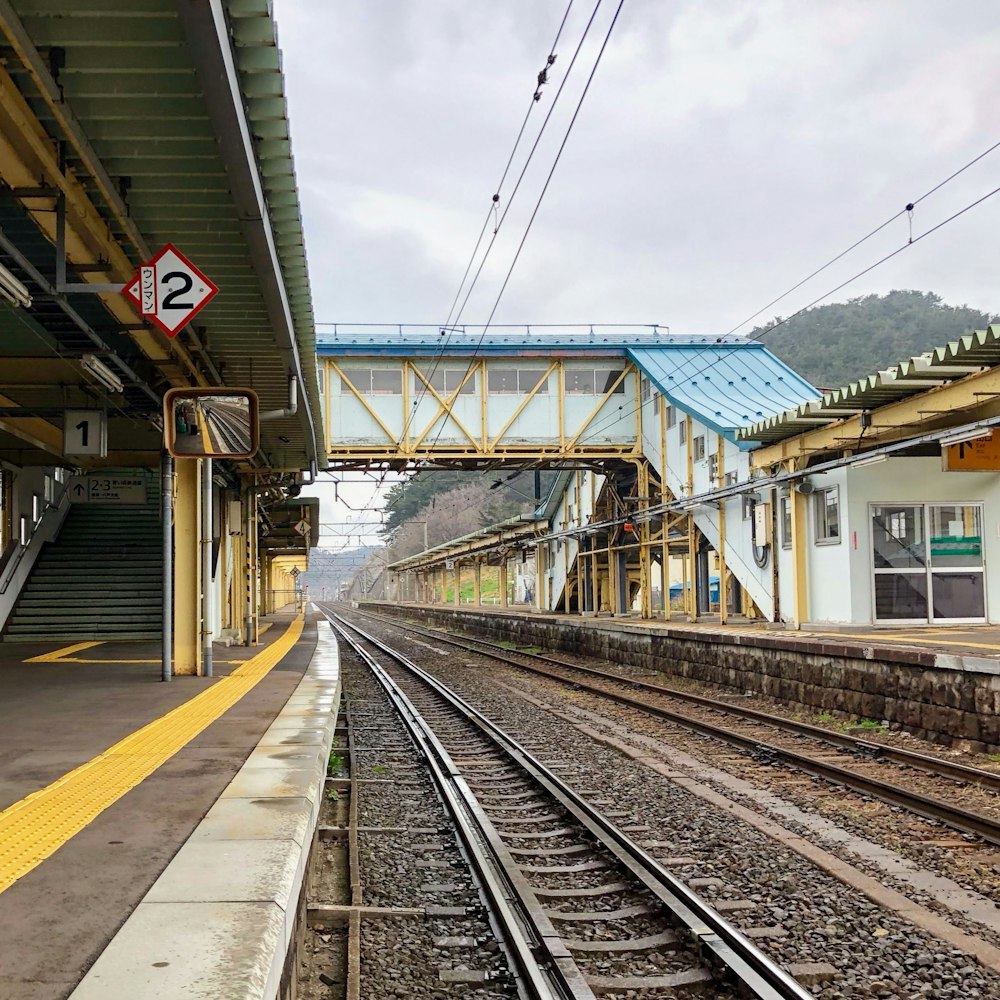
column 508, row 341
column 726, row 385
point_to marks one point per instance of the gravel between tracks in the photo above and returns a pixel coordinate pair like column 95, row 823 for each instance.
column 876, row 954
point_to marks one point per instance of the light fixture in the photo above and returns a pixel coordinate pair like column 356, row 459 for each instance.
column 973, row 435
column 13, row 290
column 100, row 371
column 871, row 460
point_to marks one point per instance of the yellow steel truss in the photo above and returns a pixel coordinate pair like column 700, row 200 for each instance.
column 412, row 445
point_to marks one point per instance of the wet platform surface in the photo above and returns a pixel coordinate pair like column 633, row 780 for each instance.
column 59, row 714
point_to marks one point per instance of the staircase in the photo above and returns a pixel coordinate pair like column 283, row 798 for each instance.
column 101, row 578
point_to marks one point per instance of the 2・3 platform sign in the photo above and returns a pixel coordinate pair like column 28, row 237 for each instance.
column 170, row 290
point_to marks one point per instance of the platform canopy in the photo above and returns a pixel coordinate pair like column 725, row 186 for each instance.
column 124, row 127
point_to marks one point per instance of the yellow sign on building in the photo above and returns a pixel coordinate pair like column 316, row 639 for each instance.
column 979, row 455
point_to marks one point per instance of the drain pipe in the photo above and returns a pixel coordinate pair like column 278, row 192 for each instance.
column 206, row 566
column 293, row 402
column 167, row 513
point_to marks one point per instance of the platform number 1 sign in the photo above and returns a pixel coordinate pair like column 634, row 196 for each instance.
column 85, row 432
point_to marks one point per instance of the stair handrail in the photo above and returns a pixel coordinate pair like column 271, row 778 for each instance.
column 15, row 550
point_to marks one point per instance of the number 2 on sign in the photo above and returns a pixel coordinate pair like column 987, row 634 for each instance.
column 186, row 285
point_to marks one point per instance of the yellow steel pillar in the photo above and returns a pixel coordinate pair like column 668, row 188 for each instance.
column 645, row 561
column 187, row 567
column 477, row 581
column 457, row 596
column 502, row 583
column 798, row 503
column 691, row 570
column 723, row 572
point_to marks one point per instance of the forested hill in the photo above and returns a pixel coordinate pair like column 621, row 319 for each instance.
column 838, row 343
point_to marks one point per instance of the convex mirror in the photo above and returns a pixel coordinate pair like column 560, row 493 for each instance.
column 211, row 423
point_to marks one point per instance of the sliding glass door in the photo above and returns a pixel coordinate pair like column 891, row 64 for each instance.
column 927, row 563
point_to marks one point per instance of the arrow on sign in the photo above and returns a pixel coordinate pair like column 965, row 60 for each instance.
column 78, row 489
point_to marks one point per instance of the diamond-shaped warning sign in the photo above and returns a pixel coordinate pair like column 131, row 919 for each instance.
column 170, row 290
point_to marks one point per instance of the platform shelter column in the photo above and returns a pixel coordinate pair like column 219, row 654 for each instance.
column 457, row 596
column 798, row 502
column 502, row 583
column 187, row 567
column 477, row 583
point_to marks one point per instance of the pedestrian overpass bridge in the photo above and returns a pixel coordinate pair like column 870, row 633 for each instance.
column 638, row 418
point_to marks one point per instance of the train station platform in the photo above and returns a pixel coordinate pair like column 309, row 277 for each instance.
column 940, row 683
column 189, row 805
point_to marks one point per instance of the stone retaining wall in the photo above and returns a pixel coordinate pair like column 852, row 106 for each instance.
column 905, row 687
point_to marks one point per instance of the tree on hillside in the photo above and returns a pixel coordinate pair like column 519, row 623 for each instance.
column 834, row 344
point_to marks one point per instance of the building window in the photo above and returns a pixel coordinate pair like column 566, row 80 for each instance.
column 445, row 381
column 656, row 404
column 786, row 521
column 516, row 381
column 644, row 389
column 369, row 382
column 699, row 447
column 671, row 417
column 683, row 431
column 593, row 381
column 827, row 508
column 748, row 504
column 713, row 464
column 729, row 479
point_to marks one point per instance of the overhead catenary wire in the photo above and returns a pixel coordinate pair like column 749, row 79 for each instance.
column 912, row 241
column 449, row 324
column 833, row 260
column 548, row 179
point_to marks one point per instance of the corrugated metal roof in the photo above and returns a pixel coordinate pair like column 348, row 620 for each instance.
column 128, row 74
column 728, row 385
column 407, row 341
column 955, row 360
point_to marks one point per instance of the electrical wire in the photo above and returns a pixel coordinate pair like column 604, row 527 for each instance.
column 833, row 260
column 448, row 326
column 548, row 179
column 882, row 260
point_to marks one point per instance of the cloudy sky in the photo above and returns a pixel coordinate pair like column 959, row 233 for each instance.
column 726, row 148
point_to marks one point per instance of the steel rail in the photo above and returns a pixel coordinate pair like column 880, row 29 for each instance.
column 924, row 762
column 927, row 806
column 508, row 915
column 734, row 956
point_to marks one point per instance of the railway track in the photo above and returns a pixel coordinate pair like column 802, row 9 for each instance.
column 844, row 764
column 580, row 908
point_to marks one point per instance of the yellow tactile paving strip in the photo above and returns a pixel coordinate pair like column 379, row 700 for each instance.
column 34, row 828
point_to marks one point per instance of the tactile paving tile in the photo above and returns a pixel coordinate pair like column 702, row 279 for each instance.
column 39, row 824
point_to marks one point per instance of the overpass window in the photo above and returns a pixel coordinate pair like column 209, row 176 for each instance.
column 593, row 381
column 644, row 390
column 786, row 521
column 528, row 378
column 580, row 381
column 672, row 419
column 656, row 404
column 516, row 380
column 605, row 378
column 713, row 467
column 360, row 378
column 387, row 382
column 682, row 431
column 369, row 382
column 699, row 447
column 445, row 381
column 500, row 380
column 827, row 515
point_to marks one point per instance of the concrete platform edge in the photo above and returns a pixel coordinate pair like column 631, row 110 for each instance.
column 219, row 920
